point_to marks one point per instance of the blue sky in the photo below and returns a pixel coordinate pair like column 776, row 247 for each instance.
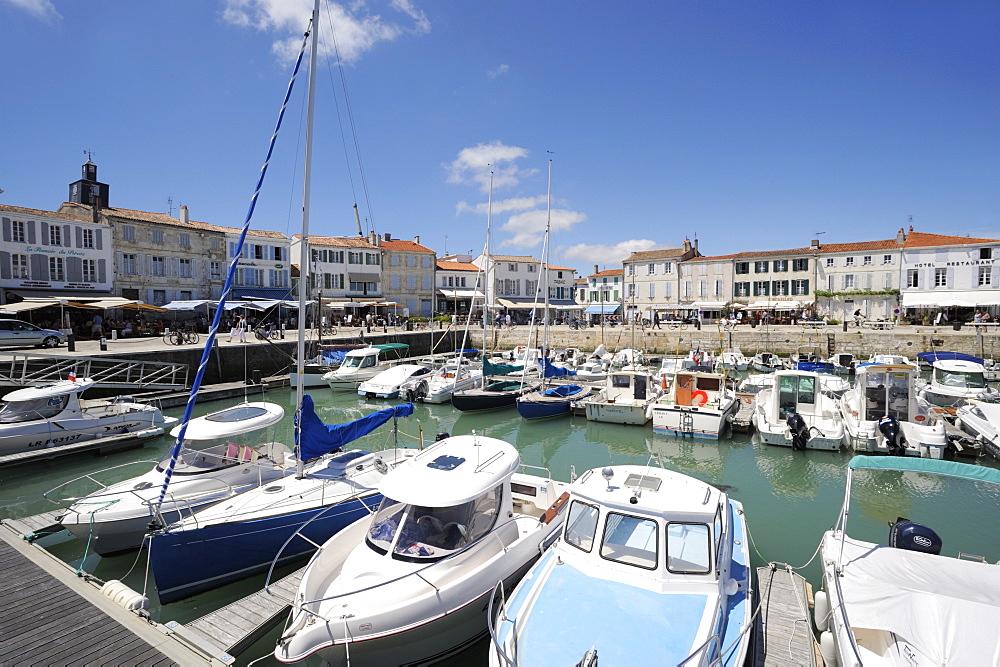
column 751, row 125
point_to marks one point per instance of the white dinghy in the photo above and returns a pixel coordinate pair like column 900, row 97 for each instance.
column 411, row 583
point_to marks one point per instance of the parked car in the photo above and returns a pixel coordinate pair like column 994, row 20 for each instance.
column 16, row 332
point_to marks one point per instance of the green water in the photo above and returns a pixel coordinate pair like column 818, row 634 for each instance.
column 790, row 498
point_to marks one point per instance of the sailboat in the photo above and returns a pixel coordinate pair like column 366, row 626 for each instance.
column 505, row 389
column 244, row 533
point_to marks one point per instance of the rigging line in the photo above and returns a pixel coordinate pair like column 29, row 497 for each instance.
column 336, row 103
column 350, row 119
column 227, row 287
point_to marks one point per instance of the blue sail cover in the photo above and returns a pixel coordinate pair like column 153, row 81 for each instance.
column 332, row 357
column 318, row 438
column 931, row 357
column 554, row 371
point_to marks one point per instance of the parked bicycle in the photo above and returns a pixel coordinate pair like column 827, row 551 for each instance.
column 264, row 334
column 181, row 337
column 577, row 324
column 677, row 324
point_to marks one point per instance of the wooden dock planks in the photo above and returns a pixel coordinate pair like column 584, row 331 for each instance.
column 783, row 630
column 238, row 625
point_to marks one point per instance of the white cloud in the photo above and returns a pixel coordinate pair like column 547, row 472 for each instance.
column 499, row 71
column 501, row 205
column 356, row 30
column 528, row 228
column 40, row 9
column 606, row 255
column 473, row 166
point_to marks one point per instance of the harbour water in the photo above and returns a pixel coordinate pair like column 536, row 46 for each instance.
column 790, row 497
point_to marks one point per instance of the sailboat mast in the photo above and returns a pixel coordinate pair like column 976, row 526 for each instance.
column 545, row 262
column 304, row 246
column 488, row 315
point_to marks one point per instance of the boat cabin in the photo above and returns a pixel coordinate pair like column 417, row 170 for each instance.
column 366, row 357
column 888, row 391
column 649, row 519
column 691, row 388
column 227, row 438
column 43, row 402
column 796, row 391
column 446, row 498
column 959, row 374
column 623, row 385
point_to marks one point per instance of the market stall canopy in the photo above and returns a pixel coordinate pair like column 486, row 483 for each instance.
column 601, row 309
column 461, row 294
column 147, row 307
column 710, row 305
column 962, row 299
column 186, row 305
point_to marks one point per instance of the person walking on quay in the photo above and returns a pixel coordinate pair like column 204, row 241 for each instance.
column 656, row 320
column 96, row 329
column 239, row 330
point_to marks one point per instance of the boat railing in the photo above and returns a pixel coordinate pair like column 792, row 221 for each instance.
column 843, row 611
column 715, row 641
column 66, row 503
column 184, row 504
column 501, row 617
column 548, row 473
column 419, row 573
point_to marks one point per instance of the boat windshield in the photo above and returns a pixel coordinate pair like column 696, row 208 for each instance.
column 416, row 533
column 689, row 548
column 212, row 456
column 26, row 411
column 887, row 394
column 966, row 379
column 796, row 393
column 633, row 540
column 359, row 361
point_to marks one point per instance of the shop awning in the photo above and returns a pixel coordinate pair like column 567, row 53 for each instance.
column 461, row 294
column 762, row 305
column 273, row 293
column 952, row 298
column 710, row 305
column 30, row 304
column 363, row 277
column 185, row 305
column 602, row 309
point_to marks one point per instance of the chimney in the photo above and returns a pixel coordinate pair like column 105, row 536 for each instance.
column 388, row 236
column 596, row 270
column 687, row 245
column 901, row 236
column 373, row 238
column 814, row 244
column 416, row 239
column 696, row 245
column 911, row 229
column 184, row 214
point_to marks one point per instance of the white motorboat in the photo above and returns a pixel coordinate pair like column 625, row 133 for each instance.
column 697, row 405
column 627, row 357
column 243, row 535
column 670, row 365
column 956, row 382
column 843, row 362
column 894, row 359
column 223, row 453
column 53, row 415
column 329, row 359
column 652, row 568
column 884, row 391
column 457, row 374
column 981, row 421
column 363, row 364
column 594, row 368
column 796, row 412
column 732, row 359
column 387, row 384
column 766, row 362
column 625, row 398
column 412, row 582
column 906, row 604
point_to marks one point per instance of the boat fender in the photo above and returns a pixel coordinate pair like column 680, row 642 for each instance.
column 828, row 649
column 696, row 395
column 124, row 596
column 799, row 430
column 821, row 611
column 732, row 587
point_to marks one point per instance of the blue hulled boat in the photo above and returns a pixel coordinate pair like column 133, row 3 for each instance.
column 552, row 401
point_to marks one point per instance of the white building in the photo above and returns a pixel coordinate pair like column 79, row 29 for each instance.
column 950, row 272
column 519, row 283
column 264, row 267
column 459, row 285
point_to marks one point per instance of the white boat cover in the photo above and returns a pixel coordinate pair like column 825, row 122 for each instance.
column 239, row 419
column 948, row 608
column 50, row 390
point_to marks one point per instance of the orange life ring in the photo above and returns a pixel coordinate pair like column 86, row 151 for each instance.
column 695, row 395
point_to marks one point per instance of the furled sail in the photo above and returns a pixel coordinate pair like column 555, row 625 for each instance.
column 317, row 438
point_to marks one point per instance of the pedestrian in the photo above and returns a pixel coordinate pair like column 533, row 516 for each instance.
column 656, row 320
column 239, row 330
column 507, row 319
column 977, row 319
column 96, row 329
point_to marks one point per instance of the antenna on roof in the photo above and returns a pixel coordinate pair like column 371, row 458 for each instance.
column 170, row 206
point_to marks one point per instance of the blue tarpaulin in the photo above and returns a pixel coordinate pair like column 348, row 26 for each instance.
column 931, row 357
column 554, row 371
column 318, row 438
column 489, row 368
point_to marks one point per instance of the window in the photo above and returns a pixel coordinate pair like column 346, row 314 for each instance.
column 411, row 282
column 742, row 289
column 158, row 236
column 90, row 271
column 912, row 278
column 667, row 290
column 780, row 265
column 354, row 258
column 184, row 239
column 717, row 268
column 742, row 267
column 184, row 268
column 986, row 253
column 848, row 281
column 887, row 259
column 395, row 260
column 216, row 243
column 829, row 283
column 887, row 280
column 668, row 267
column 159, row 265
column 87, row 238
column 17, row 231
column 689, row 548
column 795, row 390
column 848, row 261
column 512, row 268
column 216, row 270
column 779, row 288
column 532, row 268
column 761, row 287
column 631, row 540
column 630, row 292
column 159, row 297
column 56, row 269
column 940, row 277
column 129, row 264
column 687, row 288
column 651, row 269
column 426, row 260
column 55, row 235
column 702, row 288
column 985, row 275
column 581, row 525
column 652, row 290
column 760, row 267
column 259, row 251
column 800, row 264
column 800, row 287
column 278, row 255
column 630, row 271
column 19, row 266
column 718, row 288
column 867, row 260
column 128, row 233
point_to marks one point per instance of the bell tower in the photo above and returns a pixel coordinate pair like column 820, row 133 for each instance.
column 88, row 191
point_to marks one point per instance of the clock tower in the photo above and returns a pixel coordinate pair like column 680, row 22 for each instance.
column 87, row 190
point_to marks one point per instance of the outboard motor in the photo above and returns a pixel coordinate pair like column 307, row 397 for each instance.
column 893, row 434
column 905, row 534
column 800, row 431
